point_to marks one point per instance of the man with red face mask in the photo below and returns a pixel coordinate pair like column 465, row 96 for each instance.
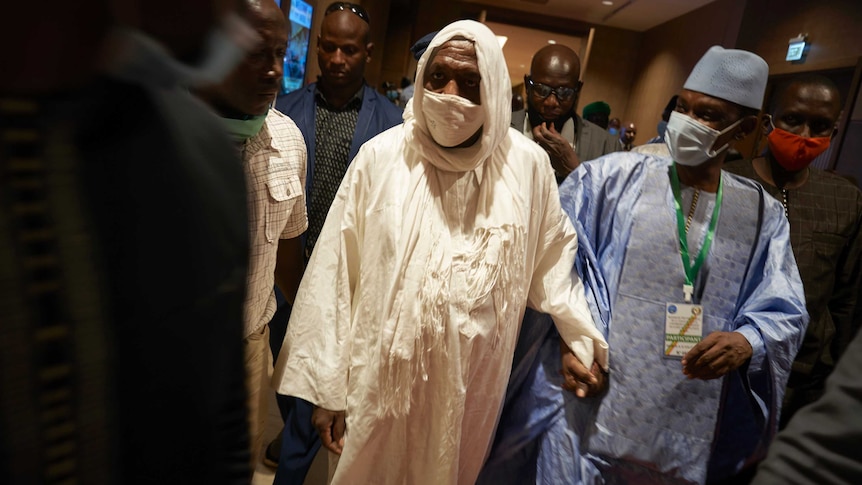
column 824, row 211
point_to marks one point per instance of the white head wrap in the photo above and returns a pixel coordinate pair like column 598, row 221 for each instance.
column 416, row 307
column 730, row 74
column 496, row 97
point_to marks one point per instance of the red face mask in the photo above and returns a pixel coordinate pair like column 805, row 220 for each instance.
column 794, row 152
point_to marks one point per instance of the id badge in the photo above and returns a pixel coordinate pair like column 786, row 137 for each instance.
column 683, row 328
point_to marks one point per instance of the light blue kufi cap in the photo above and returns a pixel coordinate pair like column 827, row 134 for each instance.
column 733, row 75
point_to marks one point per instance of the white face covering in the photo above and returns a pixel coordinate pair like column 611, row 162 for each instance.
column 690, row 142
column 451, row 119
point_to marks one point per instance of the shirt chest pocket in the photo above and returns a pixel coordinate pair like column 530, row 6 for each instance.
column 283, row 199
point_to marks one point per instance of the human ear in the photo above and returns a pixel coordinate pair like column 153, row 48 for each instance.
column 746, row 127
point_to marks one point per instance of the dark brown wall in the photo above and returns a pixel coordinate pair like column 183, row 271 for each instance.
column 636, row 73
column 396, row 57
column 378, row 11
column 667, row 54
column 610, row 70
column 834, row 28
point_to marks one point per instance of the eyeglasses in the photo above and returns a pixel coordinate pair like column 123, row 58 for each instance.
column 351, row 7
column 543, row 91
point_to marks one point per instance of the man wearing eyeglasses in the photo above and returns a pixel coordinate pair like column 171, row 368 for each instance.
column 336, row 115
column 550, row 118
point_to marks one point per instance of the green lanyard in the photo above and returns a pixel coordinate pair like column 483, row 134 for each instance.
column 691, row 272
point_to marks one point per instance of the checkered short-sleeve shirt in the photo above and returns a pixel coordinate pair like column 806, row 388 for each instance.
column 274, row 162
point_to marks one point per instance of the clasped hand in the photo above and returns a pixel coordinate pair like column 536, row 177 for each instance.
column 576, row 377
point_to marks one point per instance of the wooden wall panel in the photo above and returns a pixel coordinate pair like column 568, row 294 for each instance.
column 669, row 52
column 396, row 56
column 834, row 28
column 611, row 70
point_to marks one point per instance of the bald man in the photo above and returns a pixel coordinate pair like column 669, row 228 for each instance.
column 273, row 155
column 627, row 136
column 550, row 118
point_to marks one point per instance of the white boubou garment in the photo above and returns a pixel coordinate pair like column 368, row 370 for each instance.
column 410, row 308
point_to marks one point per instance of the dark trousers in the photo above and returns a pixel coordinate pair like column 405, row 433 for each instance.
column 300, row 441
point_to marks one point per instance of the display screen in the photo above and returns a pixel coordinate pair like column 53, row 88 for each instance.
column 795, row 51
column 297, row 46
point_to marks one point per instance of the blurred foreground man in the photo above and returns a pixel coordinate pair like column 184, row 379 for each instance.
column 689, row 273
column 443, row 230
column 825, row 213
column 820, row 446
column 123, row 246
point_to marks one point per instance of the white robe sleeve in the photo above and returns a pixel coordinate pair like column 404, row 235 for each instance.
column 313, row 363
column 557, row 289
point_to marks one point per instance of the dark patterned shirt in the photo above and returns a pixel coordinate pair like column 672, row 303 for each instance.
column 333, row 134
column 824, row 215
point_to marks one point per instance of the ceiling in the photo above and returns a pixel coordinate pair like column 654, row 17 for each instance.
column 637, row 15
column 525, row 35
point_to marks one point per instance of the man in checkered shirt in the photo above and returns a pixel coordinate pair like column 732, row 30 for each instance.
column 274, row 161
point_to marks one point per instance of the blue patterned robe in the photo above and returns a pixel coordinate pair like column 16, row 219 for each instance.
column 654, row 425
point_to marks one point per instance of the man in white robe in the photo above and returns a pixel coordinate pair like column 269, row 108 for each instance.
column 444, row 229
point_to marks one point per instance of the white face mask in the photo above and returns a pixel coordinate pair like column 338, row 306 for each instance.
column 690, row 142
column 451, row 119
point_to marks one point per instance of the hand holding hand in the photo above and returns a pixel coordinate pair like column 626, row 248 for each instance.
column 576, row 377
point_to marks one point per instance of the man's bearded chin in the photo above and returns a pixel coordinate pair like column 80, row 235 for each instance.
column 536, row 119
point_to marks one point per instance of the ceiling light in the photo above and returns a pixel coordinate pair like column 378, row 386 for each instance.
column 607, row 2
column 551, row 41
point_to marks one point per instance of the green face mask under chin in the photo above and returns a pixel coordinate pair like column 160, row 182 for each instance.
column 242, row 130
